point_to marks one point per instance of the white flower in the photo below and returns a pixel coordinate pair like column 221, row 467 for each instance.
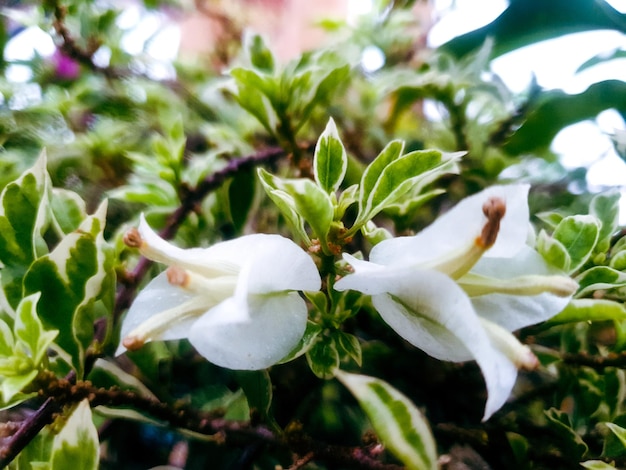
column 458, row 288
column 236, row 301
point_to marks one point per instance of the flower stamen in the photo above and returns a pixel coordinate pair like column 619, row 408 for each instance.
column 494, row 209
column 132, row 238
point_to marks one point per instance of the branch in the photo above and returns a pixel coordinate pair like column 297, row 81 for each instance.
column 63, row 392
column 596, row 362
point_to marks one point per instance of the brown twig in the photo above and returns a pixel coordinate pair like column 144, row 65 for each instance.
column 63, row 392
column 596, row 362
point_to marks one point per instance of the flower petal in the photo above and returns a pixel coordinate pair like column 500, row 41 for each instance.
column 459, row 227
column 159, row 295
column 205, row 261
column 514, row 311
column 369, row 278
column 433, row 313
column 266, row 332
column 277, row 264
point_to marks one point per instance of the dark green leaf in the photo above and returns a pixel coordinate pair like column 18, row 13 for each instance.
column 557, row 109
column 529, row 21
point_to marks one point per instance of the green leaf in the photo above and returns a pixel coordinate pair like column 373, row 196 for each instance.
column 77, row 445
column 551, row 219
column 348, row 345
column 567, row 439
column 590, row 310
column 397, row 177
column 12, row 386
column 599, row 277
column 309, row 338
column 615, row 442
column 390, row 153
column 553, row 251
column 323, row 357
column 326, row 88
column 68, row 210
column 256, row 95
column 260, row 55
column 257, row 386
column 330, row 161
column 313, row 204
column 557, row 109
column 597, row 465
column 285, row 203
column 71, row 279
column 605, row 207
column 6, row 340
column 29, row 330
column 240, row 197
column 23, row 207
column 618, row 260
column 396, row 420
column 530, row 21
column 579, row 235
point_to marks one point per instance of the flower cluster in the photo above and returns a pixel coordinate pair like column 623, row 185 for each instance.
column 456, row 290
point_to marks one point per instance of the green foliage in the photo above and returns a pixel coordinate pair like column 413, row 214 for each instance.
column 209, row 156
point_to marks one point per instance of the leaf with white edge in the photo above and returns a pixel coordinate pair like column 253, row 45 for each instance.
column 397, row 177
column 309, row 338
column 390, row 153
column 565, row 436
column 330, row 161
column 583, row 310
column 597, row 465
column 346, row 199
column 285, row 204
column 6, row 340
column 553, row 251
column 71, row 280
column 551, row 219
column 323, row 358
column 618, row 260
column 615, row 442
column 348, row 345
column 68, row 210
column 605, row 207
column 579, row 235
column 374, row 234
column 23, row 215
column 396, row 420
column 77, row 445
column 29, row 330
column 599, row 277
